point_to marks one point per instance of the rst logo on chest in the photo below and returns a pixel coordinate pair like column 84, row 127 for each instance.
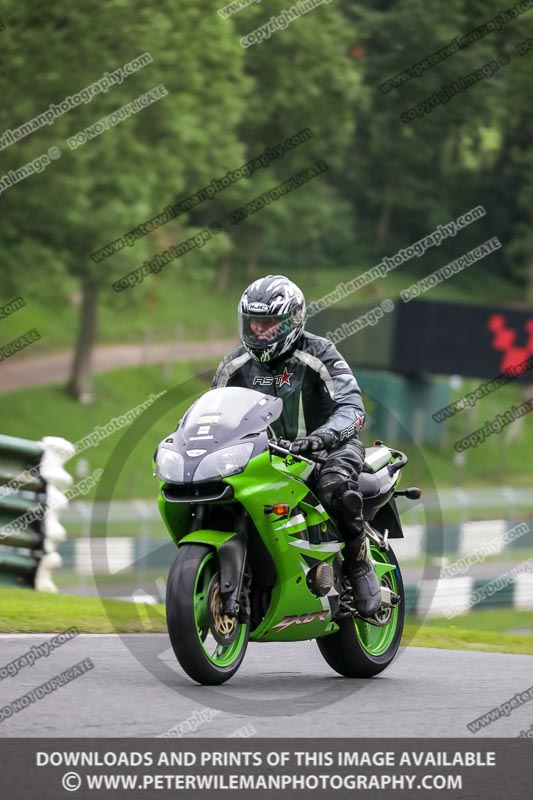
column 273, row 380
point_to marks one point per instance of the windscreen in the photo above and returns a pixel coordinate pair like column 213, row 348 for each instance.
column 229, row 408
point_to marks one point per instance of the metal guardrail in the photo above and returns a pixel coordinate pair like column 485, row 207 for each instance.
column 113, row 554
column 467, row 501
column 134, row 567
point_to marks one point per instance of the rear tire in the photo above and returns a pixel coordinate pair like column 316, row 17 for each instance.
column 361, row 650
column 209, row 647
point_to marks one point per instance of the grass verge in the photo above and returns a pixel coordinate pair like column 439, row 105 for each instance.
column 428, row 636
column 26, row 611
column 498, row 630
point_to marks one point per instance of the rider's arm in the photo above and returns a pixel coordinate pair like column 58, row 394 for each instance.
column 219, row 378
column 228, row 372
column 348, row 415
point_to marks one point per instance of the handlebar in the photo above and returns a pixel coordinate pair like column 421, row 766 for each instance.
column 284, row 449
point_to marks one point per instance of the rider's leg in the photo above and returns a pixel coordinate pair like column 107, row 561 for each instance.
column 337, row 488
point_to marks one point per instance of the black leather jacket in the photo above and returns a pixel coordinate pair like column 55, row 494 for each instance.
column 316, row 384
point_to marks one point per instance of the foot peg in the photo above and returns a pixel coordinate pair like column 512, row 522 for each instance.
column 388, row 600
column 365, row 586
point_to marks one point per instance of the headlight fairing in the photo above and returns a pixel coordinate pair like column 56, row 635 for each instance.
column 225, row 462
column 169, row 466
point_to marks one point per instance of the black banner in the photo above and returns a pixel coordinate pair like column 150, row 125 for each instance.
column 399, row 769
column 453, row 339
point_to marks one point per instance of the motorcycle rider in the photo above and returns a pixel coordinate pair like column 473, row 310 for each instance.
column 322, row 409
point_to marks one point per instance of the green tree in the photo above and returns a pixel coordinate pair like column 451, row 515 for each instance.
column 302, row 78
column 93, row 194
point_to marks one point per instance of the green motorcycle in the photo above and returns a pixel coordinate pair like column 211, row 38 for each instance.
column 258, row 556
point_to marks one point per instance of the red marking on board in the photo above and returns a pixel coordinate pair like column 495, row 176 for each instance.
column 504, row 339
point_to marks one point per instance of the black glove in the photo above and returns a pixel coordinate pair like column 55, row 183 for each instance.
column 322, row 439
column 285, row 443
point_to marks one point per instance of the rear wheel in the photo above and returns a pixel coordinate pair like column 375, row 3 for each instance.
column 209, row 645
column 362, row 650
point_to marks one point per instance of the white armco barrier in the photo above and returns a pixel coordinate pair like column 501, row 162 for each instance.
column 55, row 452
column 523, row 595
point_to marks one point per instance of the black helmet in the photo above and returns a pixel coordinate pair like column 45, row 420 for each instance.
column 271, row 317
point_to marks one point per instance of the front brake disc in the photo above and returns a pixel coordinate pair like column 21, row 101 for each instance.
column 224, row 629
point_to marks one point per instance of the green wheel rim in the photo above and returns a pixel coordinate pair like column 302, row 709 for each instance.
column 218, row 654
column 376, row 640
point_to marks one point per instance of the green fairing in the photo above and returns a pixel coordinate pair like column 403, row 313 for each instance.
column 176, row 516
column 267, row 480
column 212, row 538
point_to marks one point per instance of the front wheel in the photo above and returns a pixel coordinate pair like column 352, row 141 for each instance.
column 209, row 645
column 362, row 650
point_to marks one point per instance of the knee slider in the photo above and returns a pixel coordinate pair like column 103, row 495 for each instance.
column 327, row 484
column 346, row 487
column 347, row 498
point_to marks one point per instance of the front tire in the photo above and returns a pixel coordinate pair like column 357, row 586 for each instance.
column 362, row 650
column 209, row 646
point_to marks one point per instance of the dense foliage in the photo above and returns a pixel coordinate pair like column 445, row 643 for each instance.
column 389, row 183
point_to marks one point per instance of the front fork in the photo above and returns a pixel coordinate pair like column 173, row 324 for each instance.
column 232, row 562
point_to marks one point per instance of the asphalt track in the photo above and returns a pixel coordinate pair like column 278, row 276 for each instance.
column 137, row 689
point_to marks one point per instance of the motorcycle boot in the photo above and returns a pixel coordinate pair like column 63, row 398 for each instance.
column 357, row 565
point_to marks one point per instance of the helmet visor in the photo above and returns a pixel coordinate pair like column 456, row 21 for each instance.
column 260, row 331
